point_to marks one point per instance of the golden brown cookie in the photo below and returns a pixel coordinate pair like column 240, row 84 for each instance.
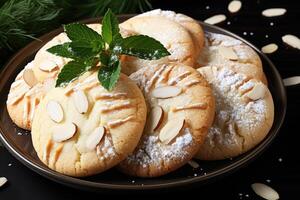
column 227, row 51
column 177, row 40
column 244, row 113
column 180, row 111
column 83, row 129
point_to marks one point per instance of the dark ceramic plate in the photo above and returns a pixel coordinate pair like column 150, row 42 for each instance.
column 18, row 141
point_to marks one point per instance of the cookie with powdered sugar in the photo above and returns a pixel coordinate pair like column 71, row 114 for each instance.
column 244, row 114
column 84, row 129
column 180, row 110
column 225, row 50
column 175, row 38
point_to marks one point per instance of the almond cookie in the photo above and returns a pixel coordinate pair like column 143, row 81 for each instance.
column 191, row 25
column 176, row 39
column 180, row 111
column 84, row 129
column 244, row 114
column 24, row 96
column 225, row 50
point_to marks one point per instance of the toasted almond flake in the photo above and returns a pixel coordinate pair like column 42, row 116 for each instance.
column 3, row 180
column 155, row 118
column 55, row 111
column 171, row 130
column 274, row 12
column 190, row 106
column 81, row 102
column 48, row 66
column 270, row 48
column 291, row 40
column 63, row 132
column 193, row 164
column 234, row 6
column 166, row 92
column 228, row 53
column 265, row 191
column 29, row 77
column 215, row 19
column 291, row 81
column 95, row 137
column 69, row 91
column 258, row 92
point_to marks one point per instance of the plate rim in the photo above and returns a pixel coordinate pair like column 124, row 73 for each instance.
column 79, row 183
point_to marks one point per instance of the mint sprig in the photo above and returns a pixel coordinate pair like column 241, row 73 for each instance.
column 88, row 48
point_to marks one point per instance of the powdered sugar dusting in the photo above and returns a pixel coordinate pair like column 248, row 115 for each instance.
column 152, row 151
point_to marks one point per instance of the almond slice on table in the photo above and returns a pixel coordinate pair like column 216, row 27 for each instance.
column 171, row 130
column 64, row 132
column 234, row 6
column 258, row 92
column 3, row 180
column 193, row 164
column 291, row 40
column 274, row 12
column 294, row 80
column 270, row 48
column 215, row 19
column 55, row 111
column 48, row 66
column 166, row 92
column 29, row 77
column 155, row 118
column 81, row 102
column 228, row 53
column 265, row 191
column 95, row 137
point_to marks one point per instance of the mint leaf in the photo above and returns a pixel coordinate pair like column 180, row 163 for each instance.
column 108, row 76
column 81, row 32
column 141, row 46
column 82, row 49
column 110, row 27
column 69, row 72
column 63, row 50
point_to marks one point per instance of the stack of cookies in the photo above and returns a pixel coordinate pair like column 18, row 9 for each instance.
column 209, row 99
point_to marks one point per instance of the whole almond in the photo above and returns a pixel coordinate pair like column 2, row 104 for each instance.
column 166, row 92
column 63, row 132
column 234, row 6
column 55, row 111
column 3, row 180
column 228, row 53
column 95, row 137
column 81, row 102
column 171, row 130
column 29, row 77
column 274, row 12
column 215, row 19
column 270, row 48
column 265, row 191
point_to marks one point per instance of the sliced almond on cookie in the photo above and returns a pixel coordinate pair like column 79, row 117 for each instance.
column 228, row 53
column 64, row 132
column 258, row 92
column 55, row 111
column 171, row 130
column 95, row 137
column 265, row 191
column 155, row 118
column 29, row 77
column 166, row 92
column 48, row 66
column 81, row 102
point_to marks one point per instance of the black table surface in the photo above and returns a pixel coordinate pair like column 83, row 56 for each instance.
column 278, row 166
